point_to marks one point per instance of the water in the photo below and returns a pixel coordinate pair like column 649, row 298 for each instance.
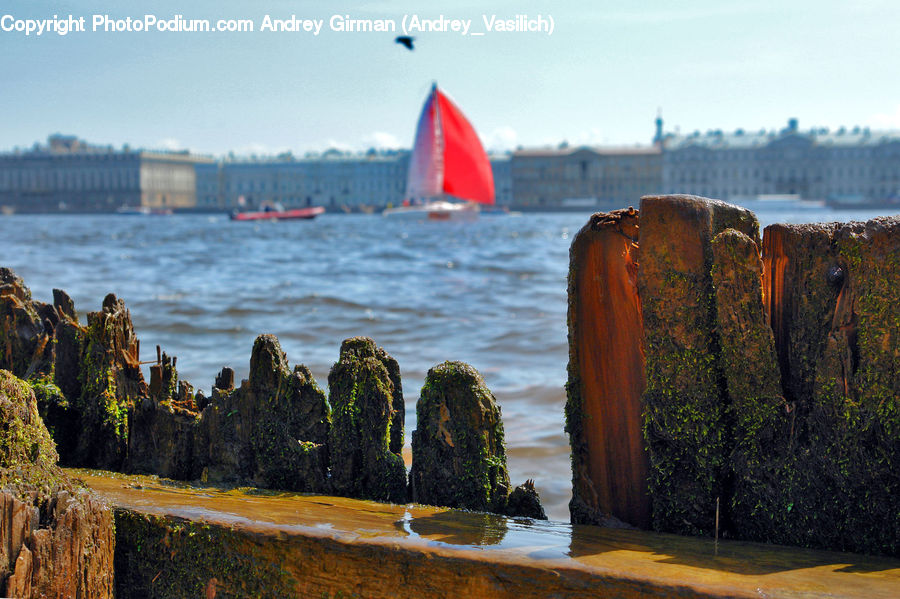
column 491, row 293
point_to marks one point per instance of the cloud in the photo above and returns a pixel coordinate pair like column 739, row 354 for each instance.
column 500, row 139
column 255, row 148
column 333, row 144
column 171, row 144
column 886, row 120
column 382, row 140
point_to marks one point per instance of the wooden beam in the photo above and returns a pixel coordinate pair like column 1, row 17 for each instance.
column 173, row 540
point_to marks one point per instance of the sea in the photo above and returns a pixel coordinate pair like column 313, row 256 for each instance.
column 491, row 293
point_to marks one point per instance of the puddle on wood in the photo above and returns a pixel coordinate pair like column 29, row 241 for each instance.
column 736, row 567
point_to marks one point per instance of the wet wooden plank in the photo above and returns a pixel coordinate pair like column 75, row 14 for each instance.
column 177, row 540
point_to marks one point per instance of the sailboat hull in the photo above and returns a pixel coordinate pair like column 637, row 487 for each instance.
column 435, row 211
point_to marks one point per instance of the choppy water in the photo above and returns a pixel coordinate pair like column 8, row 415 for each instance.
column 491, row 293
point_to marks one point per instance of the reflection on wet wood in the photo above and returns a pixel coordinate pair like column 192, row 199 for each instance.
column 176, row 540
column 606, row 374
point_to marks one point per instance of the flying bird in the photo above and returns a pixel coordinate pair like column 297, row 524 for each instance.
column 405, row 40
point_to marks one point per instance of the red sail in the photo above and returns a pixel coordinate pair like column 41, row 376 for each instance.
column 448, row 156
column 467, row 170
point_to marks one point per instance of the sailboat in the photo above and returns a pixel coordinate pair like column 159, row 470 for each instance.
column 447, row 161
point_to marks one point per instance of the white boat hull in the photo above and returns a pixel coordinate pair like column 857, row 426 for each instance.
column 435, row 211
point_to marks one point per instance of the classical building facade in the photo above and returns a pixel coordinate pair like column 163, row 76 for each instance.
column 851, row 167
column 847, row 166
column 334, row 180
column 70, row 175
column 585, row 177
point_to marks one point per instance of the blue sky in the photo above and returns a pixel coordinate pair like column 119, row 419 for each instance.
column 598, row 79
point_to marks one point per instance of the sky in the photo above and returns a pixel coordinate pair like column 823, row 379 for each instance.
column 598, row 78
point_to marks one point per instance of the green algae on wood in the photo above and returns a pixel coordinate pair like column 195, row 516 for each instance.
column 761, row 417
column 111, row 383
column 338, row 547
column 172, row 557
column 687, row 428
column 837, row 339
column 28, row 458
column 56, row 539
column 271, row 431
column 361, row 393
column 458, row 447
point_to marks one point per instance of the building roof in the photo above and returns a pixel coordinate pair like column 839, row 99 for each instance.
column 740, row 139
column 601, row 150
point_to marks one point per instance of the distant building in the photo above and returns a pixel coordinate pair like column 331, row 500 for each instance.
column 501, row 168
column 585, row 177
column 855, row 166
column 334, row 180
column 69, row 175
column 847, row 167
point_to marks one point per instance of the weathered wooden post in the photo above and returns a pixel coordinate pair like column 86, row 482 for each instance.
column 606, row 373
column 761, row 418
column 363, row 412
column 686, row 426
column 770, row 379
column 458, row 448
column 833, row 291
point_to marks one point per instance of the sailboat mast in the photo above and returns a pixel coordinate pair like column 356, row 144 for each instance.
column 438, row 143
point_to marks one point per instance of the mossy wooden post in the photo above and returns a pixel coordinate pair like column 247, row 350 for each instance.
column 56, row 540
column 270, row 432
column 164, row 425
column 163, row 378
column 24, row 342
column 834, row 294
column 458, row 448
column 398, row 409
column 606, row 374
column 292, row 422
column 362, row 400
column 761, row 417
column 686, row 427
column 224, row 383
column 111, row 382
column 69, row 340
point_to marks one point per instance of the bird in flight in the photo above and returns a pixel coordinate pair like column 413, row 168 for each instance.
column 405, row 40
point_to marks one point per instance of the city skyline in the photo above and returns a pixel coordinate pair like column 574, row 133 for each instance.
column 598, row 79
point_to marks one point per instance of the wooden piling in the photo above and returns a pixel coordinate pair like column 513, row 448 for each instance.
column 606, row 374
